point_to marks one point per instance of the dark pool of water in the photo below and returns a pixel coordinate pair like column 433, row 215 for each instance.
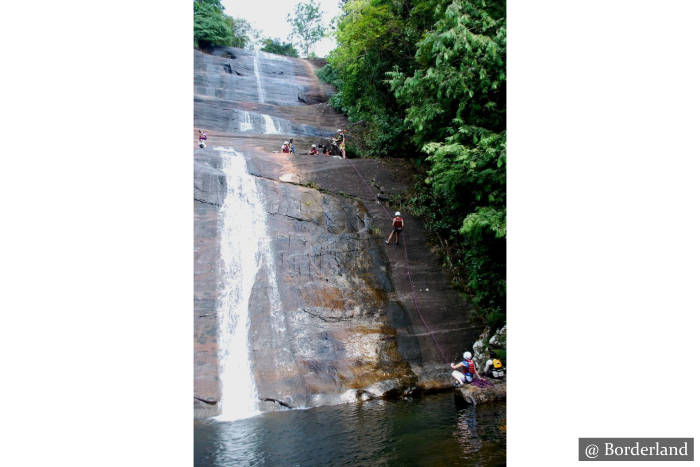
column 434, row 430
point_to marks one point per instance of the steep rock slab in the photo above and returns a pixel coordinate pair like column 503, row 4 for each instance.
column 333, row 335
column 448, row 315
column 332, row 315
column 209, row 191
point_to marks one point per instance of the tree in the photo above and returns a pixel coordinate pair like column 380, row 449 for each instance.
column 455, row 102
column 307, row 25
column 213, row 28
column 241, row 31
column 374, row 36
column 210, row 25
column 276, row 46
column 425, row 79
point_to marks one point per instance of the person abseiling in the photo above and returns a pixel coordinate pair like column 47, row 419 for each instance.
column 340, row 141
column 464, row 371
column 313, row 151
column 202, row 138
column 285, row 147
column 398, row 224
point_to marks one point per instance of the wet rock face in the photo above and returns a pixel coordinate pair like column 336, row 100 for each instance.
column 334, row 291
column 209, row 190
column 333, row 317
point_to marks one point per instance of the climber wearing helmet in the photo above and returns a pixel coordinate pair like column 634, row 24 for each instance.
column 398, row 224
column 313, row 151
column 340, row 141
column 202, row 138
column 465, row 370
column 285, row 147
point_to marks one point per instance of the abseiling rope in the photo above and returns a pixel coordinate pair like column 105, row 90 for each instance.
column 408, row 266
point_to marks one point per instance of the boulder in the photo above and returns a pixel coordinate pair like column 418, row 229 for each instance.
column 476, row 395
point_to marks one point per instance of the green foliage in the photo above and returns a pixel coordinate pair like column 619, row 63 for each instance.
column 241, row 31
column 460, row 78
column 276, row 46
column 210, row 25
column 375, row 37
column 457, row 96
column 426, row 79
column 307, row 25
column 213, row 28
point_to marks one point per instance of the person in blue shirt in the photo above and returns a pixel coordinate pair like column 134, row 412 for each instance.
column 464, row 371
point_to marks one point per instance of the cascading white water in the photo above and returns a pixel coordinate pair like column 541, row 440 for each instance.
column 256, row 69
column 246, row 122
column 244, row 248
column 270, row 127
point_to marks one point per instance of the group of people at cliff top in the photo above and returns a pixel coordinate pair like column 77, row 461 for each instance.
column 465, row 371
column 321, row 149
column 397, row 223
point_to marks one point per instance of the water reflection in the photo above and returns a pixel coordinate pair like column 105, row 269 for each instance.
column 430, row 431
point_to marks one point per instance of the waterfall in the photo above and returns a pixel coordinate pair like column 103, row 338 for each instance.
column 244, row 249
column 270, row 127
column 256, row 69
column 246, row 123
column 262, row 123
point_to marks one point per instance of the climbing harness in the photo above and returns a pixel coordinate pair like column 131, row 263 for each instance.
column 408, row 268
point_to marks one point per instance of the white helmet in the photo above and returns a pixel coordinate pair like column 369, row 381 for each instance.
column 313, row 145
column 397, row 213
column 339, row 131
column 286, row 142
column 467, row 355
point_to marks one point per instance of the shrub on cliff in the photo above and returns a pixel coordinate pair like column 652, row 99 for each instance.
column 276, row 46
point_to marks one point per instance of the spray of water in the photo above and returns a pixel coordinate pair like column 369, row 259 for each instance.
column 244, row 248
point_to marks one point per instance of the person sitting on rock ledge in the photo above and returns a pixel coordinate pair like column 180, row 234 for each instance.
column 398, row 224
column 464, row 370
column 494, row 368
column 313, row 151
column 285, row 147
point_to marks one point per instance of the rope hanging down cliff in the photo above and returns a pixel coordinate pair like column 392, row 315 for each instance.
column 408, row 266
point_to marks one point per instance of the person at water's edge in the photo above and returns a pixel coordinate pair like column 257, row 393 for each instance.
column 464, row 370
column 398, row 224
